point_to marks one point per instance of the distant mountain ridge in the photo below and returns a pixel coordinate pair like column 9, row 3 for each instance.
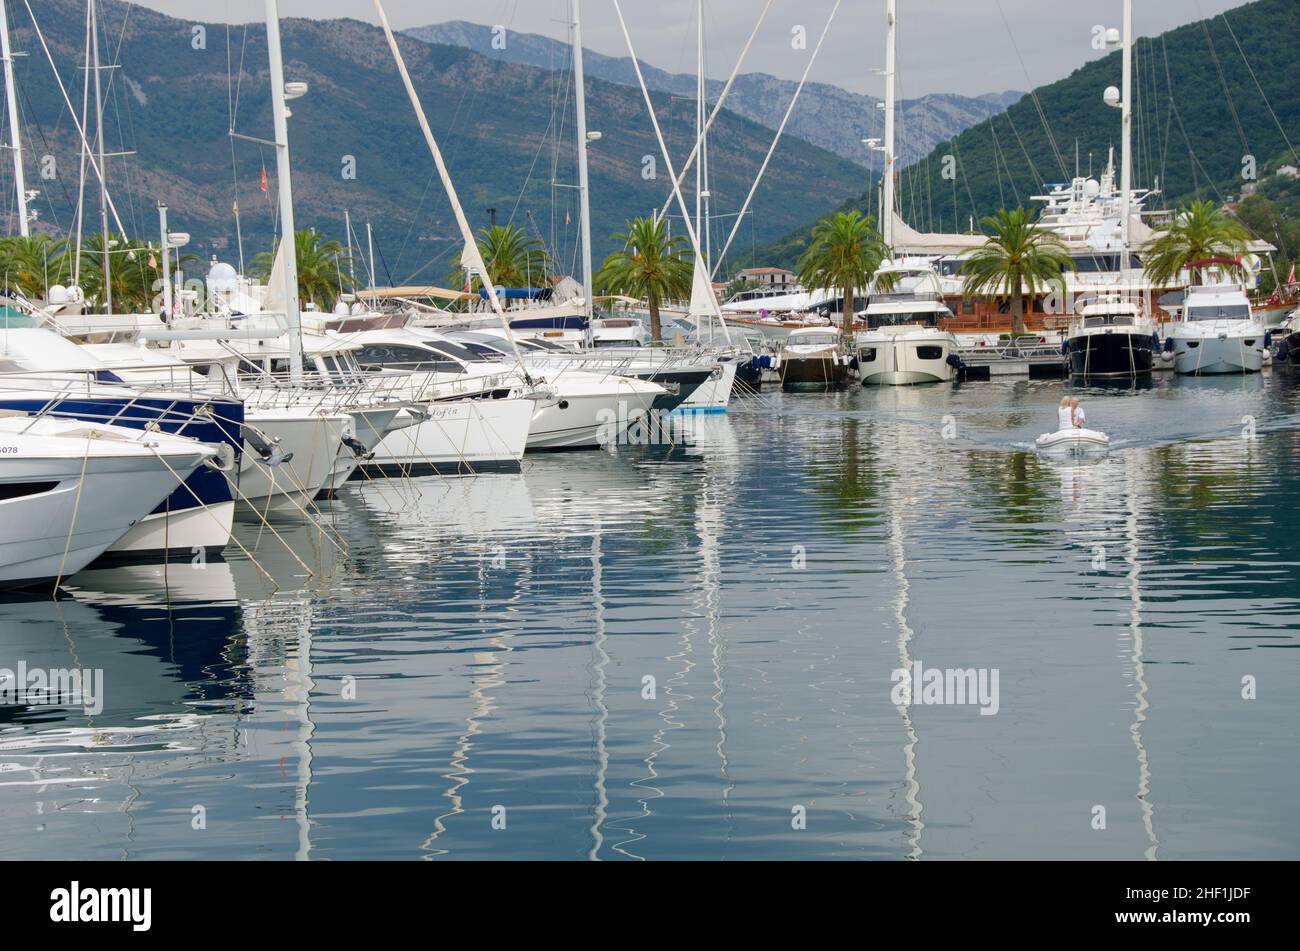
column 356, row 146
column 827, row 115
column 1213, row 99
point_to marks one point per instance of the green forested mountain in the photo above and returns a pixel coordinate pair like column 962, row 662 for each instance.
column 172, row 99
column 1211, row 99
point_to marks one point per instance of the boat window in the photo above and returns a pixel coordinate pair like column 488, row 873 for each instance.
column 1219, row 312
column 395, row 356
column 453, row 350
column 483, row 351
column 17, row 490
column 543, row 344
column 925, row 319
column 929, row 352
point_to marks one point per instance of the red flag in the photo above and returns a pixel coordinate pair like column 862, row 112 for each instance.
column 567, row 222
column 263, row 178
column 153, row 261
column 1291, row 277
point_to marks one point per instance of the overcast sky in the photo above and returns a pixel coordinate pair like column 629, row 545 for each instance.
column 963, row 46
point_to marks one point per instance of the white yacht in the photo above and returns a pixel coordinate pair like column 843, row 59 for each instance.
column 70, row 488
column 573, row 408
column 1216, row 332
column 1110, row 337
column 903, row 342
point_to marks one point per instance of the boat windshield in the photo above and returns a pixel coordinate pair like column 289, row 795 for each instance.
column 1219, row 312
column 815, row 340
column 924, row 318
column 1102, row 320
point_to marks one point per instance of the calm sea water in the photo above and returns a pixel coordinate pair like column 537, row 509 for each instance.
column 687, row 651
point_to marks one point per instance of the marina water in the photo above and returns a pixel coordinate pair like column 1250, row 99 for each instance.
column 689, row 650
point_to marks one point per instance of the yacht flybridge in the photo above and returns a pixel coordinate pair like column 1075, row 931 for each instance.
column 904, row 342
column 1110, row 337
column 1216, row 333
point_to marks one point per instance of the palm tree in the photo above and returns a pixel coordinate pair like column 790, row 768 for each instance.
column 650, row 265
column 323, row 272
column 1201, row 230
column 135, row 271
column 844, row 253
column 1019, row 257
column 513, row 259
column 34, row 264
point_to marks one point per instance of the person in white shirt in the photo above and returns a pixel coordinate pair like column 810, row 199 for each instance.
column 1077, row 415
column 1064, row 415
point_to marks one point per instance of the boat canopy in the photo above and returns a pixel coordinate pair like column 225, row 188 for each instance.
column 519, row 293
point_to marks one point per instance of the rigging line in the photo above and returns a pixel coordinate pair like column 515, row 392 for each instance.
column 1033, row 169
column 1255, row 80
column 40, row 35
column 794, row 100
column 1191, row 153
column 717, row 106
column 28, row 123
column 965, row 181
column 541, row 144
column 1223, row 82
column 239, row 77
column 1042, row 116
column 1169, row 112
column 997, row 168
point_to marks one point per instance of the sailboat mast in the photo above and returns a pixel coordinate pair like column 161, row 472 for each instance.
column 1126, row 160
column 584, row 192
column 887, row 200
column 288, row 246
column 702, row 226
column 99, row 150
column 16, row 140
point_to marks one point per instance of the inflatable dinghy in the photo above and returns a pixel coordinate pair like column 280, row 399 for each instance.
column 1073, row 441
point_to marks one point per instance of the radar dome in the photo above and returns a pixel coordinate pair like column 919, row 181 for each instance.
column 222, row 277
column 58, row 294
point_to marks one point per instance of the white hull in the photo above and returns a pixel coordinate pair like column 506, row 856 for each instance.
column 466, row 436
column 1073, row 442
column 904, row 359
column 101, row 488
column 314, row 439
column 369, row 427
column 715, row 394
column 588, row 421
column 205, row 528
column 1237, row 351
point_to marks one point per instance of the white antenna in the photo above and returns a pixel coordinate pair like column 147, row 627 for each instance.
column 11, row 100
column 288, row 238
